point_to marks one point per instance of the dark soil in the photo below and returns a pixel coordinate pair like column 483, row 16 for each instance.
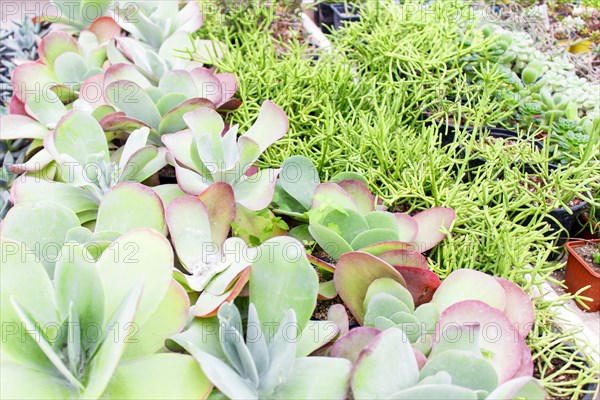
column 557, row 364
column 320, row 312
column 586, row 252
column 167, row 170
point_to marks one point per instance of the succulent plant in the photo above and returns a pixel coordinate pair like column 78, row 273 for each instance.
column 521, row 50
column 79, row 162
column 387, row 367
column 64, row 64
column 268, row 366
column 131, row 101
column 279, row 334
column 203, row 155
column 79, row 15
column 18, row 43
column 95, row 329
column 344, row 218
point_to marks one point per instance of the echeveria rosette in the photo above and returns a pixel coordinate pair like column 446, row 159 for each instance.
column 132, row 101
column 276, row 364
column 203, row 154
column 79, row 172
column 386, row 366
column 131, row 294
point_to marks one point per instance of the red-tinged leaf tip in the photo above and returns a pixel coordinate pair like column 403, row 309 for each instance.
column 360, row 193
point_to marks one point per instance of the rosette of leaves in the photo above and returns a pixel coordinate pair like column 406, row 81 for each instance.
column 344, row 218
column 272, row 360
column 571, row 137
column 386, row 366
column 18, row 43
column 203, row 154
column 131, row 101
column 63, row 65
column 76, row 169
column 95, row 330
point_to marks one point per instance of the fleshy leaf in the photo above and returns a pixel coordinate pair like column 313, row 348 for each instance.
column 354, row 273
column 519, row 308
column 431, row 222
column 352, row 343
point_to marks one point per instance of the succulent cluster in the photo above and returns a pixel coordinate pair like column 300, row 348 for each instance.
column 118, row 286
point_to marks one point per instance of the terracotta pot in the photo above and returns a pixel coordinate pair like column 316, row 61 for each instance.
column 580, row 274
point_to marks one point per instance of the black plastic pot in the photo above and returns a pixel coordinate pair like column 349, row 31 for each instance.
column 344, row 14
column 325, row 16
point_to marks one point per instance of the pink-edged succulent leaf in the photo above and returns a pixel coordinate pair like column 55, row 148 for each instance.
column 337, row 313
column 190, row 181
column 404, row 258
column 173, row 121
column 189, row 18
column 48, row 109
column 421, row 283
column 385, row 366
column 178, row 81
column 271, row 125
column 361, row 194
column 323, row 265
column 408, row 228
column 118, row 121
column 208, row 86
column 229, row 87
column 220, row 203
column 353, row 342
column 15, row 126
column 105, row 28
column 36, row 163
column 129, row 206
column 129, row 97
column 92, row 90
column 179, row 145
column 190, row 228
column 420, row 357
column 468, row 284
column 30, row 78
column 331, row 194
column 382, row 247
column 519, row 308
column 354, row 273
column 431, row 223
column 231, row 105
column 498, row 340
column 16, row 106
column 256, row 192
column 79, row 136
column 526, row 366
column 55, row 44
column 205, row 121
column 208, row 304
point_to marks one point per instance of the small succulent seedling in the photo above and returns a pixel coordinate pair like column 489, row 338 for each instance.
column 95, row 329
column 203, row 155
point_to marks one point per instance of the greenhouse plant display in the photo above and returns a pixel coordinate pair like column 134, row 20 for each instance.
column 376, row 216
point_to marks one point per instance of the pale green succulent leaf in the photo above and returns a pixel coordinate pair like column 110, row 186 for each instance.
column 21, row 382
column 316, row 378
column 435, row 392
column 373, row 236
column 316, row 335
column 332, row 243
column 281, row 278
column 391, row 287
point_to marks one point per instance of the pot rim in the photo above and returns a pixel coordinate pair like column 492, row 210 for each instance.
column 571, row 245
